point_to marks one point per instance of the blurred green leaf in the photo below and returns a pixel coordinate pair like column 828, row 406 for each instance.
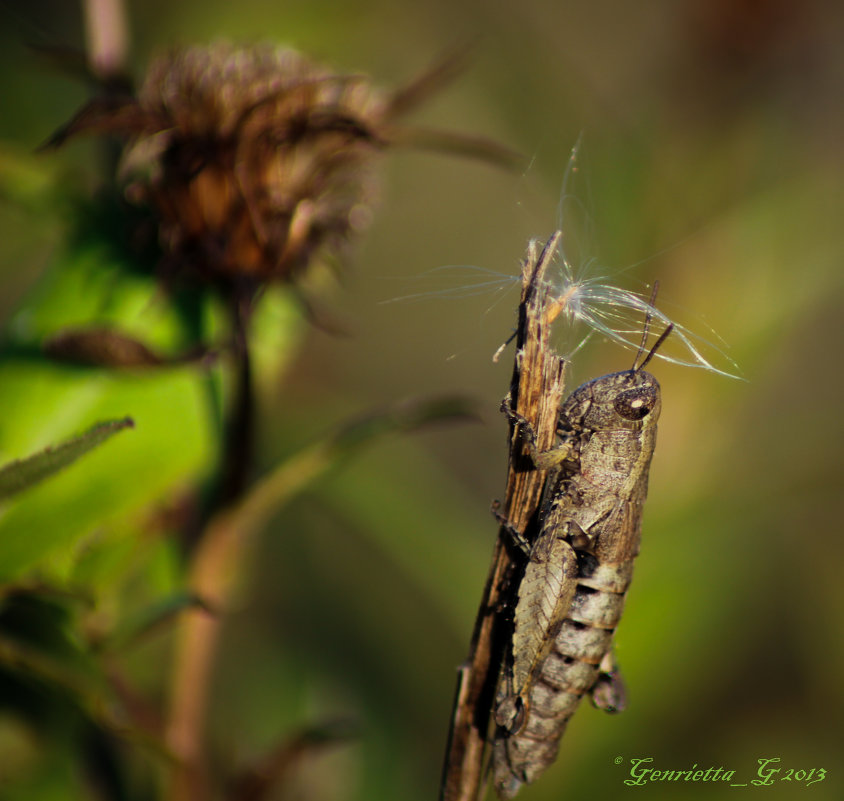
column 37, row 642
column 25, row 180
column 24, row 473
column 173, row 447
column 92, row 282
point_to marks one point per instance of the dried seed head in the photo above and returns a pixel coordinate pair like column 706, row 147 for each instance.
column 262, row 158
column 254, row 158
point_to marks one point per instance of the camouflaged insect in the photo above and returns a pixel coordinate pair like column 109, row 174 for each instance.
column 579, row 567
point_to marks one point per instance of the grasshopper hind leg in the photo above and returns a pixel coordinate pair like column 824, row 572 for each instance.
column 609, row 692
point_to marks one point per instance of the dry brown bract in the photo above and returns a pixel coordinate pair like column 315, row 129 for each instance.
column 252, row 158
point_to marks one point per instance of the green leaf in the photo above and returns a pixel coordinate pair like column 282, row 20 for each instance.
column 24, row 473
column 111, row 487
column 26, row 180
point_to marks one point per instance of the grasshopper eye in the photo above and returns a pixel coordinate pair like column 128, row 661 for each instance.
column 636, row 404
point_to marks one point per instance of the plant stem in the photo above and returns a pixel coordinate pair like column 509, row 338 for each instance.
column 536, row 390
column 214, row 562
column 107, row 37
column 238, row 448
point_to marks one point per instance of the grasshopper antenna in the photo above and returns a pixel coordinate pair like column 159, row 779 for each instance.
column 646, row 331
column 662, row 337
column 647, row 327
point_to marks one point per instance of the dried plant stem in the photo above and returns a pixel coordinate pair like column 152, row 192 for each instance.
column 214, row 564
column 215, row 570
column 198, row 637
column 107, row 35
column 536, row 390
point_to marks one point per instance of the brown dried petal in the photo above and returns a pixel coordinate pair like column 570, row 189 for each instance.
column 104, row 347
column 120, row 115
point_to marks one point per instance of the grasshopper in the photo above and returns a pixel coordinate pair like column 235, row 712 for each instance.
column 578, row 569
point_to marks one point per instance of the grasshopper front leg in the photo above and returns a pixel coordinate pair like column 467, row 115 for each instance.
column 543, row 460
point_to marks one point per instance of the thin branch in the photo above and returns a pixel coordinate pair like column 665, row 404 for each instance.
column 107, row 37
column 216, row 566
column 270, row 772
column 536, row 391
column 240, row 431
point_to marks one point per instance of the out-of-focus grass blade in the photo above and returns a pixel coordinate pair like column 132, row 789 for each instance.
column 297, row 472
column 258, row 782
column 24, row 473
column 151, row 619
column 227, row 531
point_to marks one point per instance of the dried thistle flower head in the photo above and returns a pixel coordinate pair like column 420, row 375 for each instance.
column 253, row 158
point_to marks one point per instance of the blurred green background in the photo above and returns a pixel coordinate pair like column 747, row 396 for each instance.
column 712, row 161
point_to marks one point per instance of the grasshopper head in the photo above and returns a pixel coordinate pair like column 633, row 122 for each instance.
column 627, row 400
